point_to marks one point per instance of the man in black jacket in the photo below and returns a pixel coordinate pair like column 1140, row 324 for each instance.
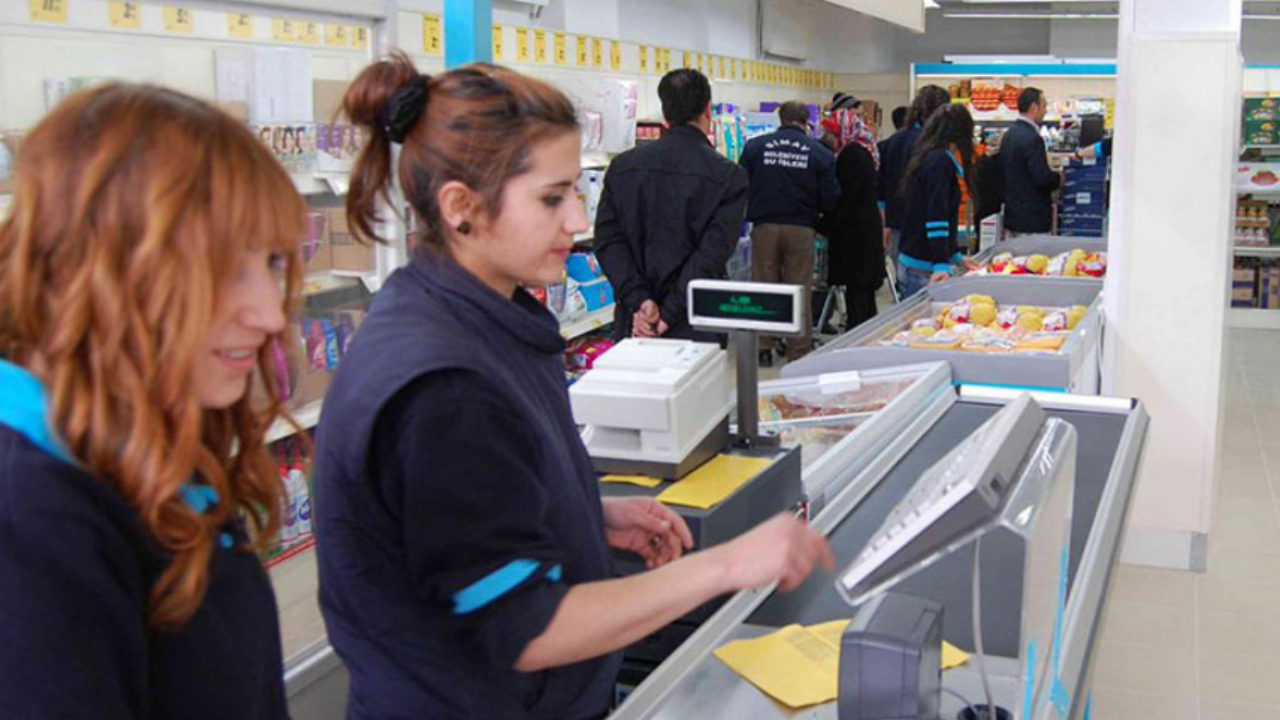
column 1028, row 181
column 793, row 181
column 670, row 212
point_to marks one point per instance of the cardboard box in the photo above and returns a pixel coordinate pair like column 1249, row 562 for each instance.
column 347, row 254
column 316, row 254
column 326, row 98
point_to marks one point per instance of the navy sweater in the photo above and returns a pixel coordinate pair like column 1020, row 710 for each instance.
column 792, row 176
column 895, row 154
column 455, row 505
column 76, row 572
column 932, row 216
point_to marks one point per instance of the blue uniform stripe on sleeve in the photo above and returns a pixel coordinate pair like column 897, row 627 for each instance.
column 957, row 259
column 498, row 583
column 915, row 264
column 939, row 234
column 937, row 224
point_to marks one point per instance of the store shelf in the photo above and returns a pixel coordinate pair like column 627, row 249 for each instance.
column 584, row 325
column 585, row 237
column 1253, row 319
column 372, row 282
column 1254, row 224
column 327, row 281
column 1258, row 252
column 321, row 183
column 307, row 417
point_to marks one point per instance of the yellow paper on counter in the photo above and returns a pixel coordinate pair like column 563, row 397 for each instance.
column 710, row 484
column 793, row 666
column 641, row 480
column 831, row 632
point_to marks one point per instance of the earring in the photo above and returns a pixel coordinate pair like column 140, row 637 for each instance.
column 464, row 228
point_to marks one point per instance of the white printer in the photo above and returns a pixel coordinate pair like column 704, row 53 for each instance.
column 655, row 407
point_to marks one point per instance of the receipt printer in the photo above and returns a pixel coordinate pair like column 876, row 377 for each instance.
column 891, row 660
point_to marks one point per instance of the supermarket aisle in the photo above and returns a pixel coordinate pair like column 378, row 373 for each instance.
column 1183, row 646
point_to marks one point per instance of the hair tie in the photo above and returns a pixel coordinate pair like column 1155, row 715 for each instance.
column 404, row 108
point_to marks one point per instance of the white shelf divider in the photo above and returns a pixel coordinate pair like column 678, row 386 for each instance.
column 1253, row 318
column 307, row 417
column 588, row 323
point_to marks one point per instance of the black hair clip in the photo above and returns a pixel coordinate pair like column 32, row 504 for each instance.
column 404, row 108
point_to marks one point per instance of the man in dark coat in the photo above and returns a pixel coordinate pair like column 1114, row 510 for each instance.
column 1029, row 183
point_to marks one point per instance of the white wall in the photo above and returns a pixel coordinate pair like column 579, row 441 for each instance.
column 1078, row 38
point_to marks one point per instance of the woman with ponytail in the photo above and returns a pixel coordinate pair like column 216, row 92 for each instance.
column 938, row 185
column 464, row 549
column 145, row 272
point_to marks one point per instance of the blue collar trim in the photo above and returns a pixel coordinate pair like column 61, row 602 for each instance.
column 26, row 409
column 954, row 161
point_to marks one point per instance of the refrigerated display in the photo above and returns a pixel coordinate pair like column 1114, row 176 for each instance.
column 1055, row 256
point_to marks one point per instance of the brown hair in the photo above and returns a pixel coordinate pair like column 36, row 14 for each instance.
column 133, row 208
column 793, row 112
column 478, row 126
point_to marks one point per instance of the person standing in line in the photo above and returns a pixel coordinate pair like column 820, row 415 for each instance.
column 670, row 212
column 853, row 228
column 937, row 181
column 145, row 274
column 899, row 117
column 1029, row 183
column 793, row 182
column 896, row 154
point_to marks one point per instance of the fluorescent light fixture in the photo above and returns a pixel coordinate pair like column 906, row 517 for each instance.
column 1030, row 16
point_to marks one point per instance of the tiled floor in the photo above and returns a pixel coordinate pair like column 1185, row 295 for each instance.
column 1185, row 646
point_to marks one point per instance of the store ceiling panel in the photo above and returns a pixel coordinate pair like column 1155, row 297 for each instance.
column 906, row 13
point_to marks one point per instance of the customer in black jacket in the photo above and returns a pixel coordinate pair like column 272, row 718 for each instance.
column 853, row 227
column 1028, row 181
column 943, row 161
column 670, row 212
column 793, row 181
column 895, row 154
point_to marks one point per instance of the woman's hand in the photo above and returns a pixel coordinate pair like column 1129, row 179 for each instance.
column 782, row 550
column 939, row 277
column 647, row 528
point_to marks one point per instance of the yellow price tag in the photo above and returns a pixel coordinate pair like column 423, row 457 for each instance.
column 583, row 54
column 309, row 33
column 240, row 26
column 540, row 47
column 597, row 53
column 360, row 38
column 497, row 43
column 432, row 36
column 561, row 53
column 686, row 59
column 178, row 20
column 644, row 58
column 723, row 73
column 615, row 55
column 522, row 45
column 125, row 15
column 666, row 60
column 698, row 63
column 283, row 31
column 336, row 36
column 50, row 11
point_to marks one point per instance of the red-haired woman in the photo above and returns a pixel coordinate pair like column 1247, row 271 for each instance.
column 144, row 273
column 463, row 546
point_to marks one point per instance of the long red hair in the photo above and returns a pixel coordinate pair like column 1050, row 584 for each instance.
column 133, row 208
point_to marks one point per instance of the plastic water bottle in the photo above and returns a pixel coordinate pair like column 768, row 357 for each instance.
column 300, row 495
column 289, row 521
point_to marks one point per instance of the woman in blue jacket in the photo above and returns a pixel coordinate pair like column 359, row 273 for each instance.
column 464, row 549
column 937, row 183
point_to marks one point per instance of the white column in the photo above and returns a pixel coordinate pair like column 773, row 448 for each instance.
column 1177, row 134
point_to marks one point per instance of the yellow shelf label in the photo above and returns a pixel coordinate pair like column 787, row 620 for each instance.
column 336, row 36
column 50, row 11
column 597, row 53
column 240, row 26
column 723, row 72
column 666, row 60
column 432, row 36
column 540, row 47
column 125, row 15
column 522, row 45
column 644, row 58
column 584, row 53
column 309, row 33
column 561, row 49
column 497, row 43
column 615, row 55
column 360, row 38
column 178, row 20
column 284, row 30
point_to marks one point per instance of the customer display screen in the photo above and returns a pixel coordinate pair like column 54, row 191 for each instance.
column 730, row 305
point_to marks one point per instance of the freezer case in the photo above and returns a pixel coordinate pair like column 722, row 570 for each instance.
column 842, row 421
column 1048, row 245
column 1072, row 368
column 1110, row 438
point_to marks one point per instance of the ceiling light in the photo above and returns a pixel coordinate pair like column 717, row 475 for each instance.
column 1030, row 16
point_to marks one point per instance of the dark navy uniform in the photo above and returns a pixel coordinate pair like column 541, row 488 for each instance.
column 455, row 506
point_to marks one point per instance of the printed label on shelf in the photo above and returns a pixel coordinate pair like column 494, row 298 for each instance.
column 615, row 55
column 597, row 53
column 497, row 43
column 240, row 26
column 540, row 47
column 561, row 51
column 644, row 59
column 522, row 45
column 125, row 15
column 178, row 20
column 583, row 55
column 360, row 38
column 50, row 11
column 309, row 33
column 336, row 36
column 432, row 36
column 284, row 30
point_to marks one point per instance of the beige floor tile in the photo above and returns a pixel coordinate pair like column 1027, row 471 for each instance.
column 1160, row 626
column 1235, row 596
column 1251, row 531
column 1143, row 668
column 1153, row 586
column 1247, row 511
column 1250, row 567
column 1115, row 704
column 1234, row 677
column 1241, row 634
column 1221, row 710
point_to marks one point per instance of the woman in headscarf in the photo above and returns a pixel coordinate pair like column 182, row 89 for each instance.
column 855, row 229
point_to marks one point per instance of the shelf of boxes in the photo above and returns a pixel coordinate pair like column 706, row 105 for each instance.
column 587, row 323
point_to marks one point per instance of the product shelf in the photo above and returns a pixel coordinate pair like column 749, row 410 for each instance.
column 1258, row 252
column 321, row 183
column 307, row 417
column 1253, row 318
column 585, row 237
column 588, row 323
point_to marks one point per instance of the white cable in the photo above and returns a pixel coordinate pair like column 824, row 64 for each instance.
column 967, row 705
column 977, row 630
